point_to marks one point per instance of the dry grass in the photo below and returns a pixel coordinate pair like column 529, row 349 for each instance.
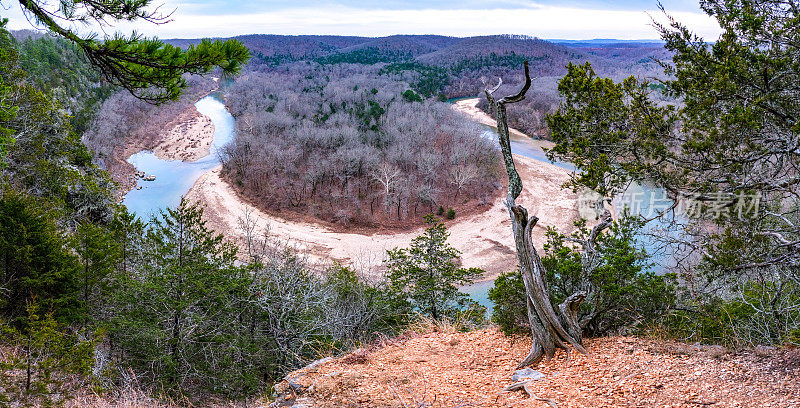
column 425, row 324
column 127, row 398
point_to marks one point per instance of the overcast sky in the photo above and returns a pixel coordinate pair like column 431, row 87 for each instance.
column 564, row 19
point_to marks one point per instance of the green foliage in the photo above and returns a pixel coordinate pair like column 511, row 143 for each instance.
column 61, row 68
column 622, row 294
column 411, row 96
column 758, row 312
column 427, row 274
column 425, row 80
column 150, row 69
column 177, row 319
column 35, row 260
column 369, row 114
column 8, row 72
column 704, row 320
column 275, row 59
column 127, row 231
column 35, row 373
column 187, row 320
column 48, row 159
column 738, row 110
column 98, row 254
column 510, row 304
column 366, row 56
column 600, row 122
column 451, row 214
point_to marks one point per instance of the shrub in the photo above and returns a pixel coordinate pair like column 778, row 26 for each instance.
column 622, row 293
column 451, row 213
column 754, row 313
column 429, row 278
column 510, row 306
column 366, row 308
column 411, row 96
column 41, row 357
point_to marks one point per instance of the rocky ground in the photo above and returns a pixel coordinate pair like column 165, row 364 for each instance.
column 447, row 370
column 187, row 138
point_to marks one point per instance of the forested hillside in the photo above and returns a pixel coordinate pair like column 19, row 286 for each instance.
column 450, row 67
column 696, row 303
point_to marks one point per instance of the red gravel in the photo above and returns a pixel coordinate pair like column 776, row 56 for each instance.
column 470, row 370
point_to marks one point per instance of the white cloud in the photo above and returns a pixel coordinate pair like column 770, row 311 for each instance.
column 540, row 21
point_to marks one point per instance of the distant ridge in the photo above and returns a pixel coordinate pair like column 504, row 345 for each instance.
column 596, row 41
column 437, row 49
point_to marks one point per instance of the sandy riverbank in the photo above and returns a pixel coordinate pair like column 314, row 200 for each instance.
column 187, row 138
column 470, row 108
column 484, row 239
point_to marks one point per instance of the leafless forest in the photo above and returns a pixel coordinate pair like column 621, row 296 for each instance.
column 355, row 131
column 345, row 145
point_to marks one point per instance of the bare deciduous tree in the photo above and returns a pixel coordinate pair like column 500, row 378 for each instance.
column 329, row 144
column 551, row 329
column 461, row 175
column 387, row 175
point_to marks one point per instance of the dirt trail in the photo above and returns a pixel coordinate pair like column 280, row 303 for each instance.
column 449, row 369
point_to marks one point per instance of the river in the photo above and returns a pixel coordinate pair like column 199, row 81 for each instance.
column 174, row 178
column 639, row 199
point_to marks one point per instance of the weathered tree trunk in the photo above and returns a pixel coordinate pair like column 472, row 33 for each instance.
column 551, row 329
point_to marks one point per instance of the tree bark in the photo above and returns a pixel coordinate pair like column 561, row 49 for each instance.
column 550, row 329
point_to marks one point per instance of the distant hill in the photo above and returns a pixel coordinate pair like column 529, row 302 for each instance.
column 296, row 46
column 484, row 46
column 602, row 42
column 444, row 51
column 636, row 51
column 442, row 67
column 416, row 45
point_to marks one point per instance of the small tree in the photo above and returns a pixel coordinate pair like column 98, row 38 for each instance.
column 427, row 272
column 98, row 254
column 179, row 319
column 33, row 374
column 621, row 293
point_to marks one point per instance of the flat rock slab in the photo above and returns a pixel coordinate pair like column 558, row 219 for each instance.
column 526, row 374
